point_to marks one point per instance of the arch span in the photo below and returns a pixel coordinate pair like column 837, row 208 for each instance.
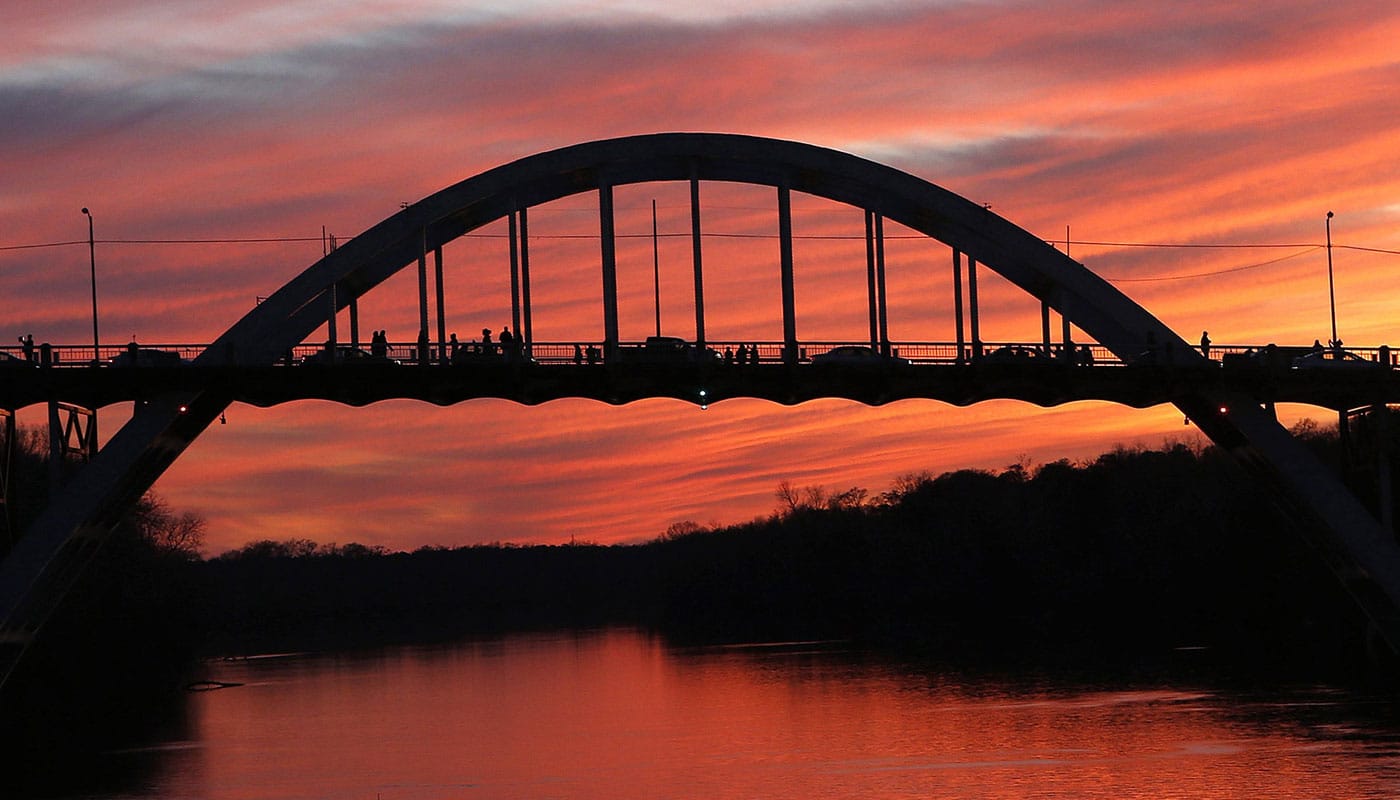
column 291, row 314
column 38, row 571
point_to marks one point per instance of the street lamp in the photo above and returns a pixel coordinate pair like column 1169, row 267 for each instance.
column 1331, row 292
column 92, row 263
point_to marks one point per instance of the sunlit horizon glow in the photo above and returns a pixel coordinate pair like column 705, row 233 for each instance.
column 1235, row 124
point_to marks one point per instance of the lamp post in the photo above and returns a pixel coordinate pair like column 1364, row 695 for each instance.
column 92, row 264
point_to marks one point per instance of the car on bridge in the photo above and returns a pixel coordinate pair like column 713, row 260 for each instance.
column 856, row 355
column 666, row 350
column 1019, row 354
column 1336, row 359
column 346, row 354
column 12, row 361
column 1331, row 358
column 134, row 356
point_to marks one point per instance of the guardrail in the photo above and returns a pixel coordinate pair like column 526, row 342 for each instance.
column 768, row 352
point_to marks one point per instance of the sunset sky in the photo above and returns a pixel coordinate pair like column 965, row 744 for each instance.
column 1148, row 123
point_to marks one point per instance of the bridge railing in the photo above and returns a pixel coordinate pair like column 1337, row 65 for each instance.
column 769, row 352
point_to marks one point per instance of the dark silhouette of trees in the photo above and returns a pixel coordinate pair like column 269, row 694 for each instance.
column 1136, row 555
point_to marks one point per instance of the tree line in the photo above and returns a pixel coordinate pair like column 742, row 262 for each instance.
column 1136, row 554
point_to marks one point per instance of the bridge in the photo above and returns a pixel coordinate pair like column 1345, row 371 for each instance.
column 1034, row 372
column 265, row 358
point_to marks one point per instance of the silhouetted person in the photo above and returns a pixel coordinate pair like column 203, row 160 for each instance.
column 594, row 355
column 578, row 354
column 1205, row 344
column 1086, row 356
column 728, row 355
column 379, row 344
column 1317, row 346
column 454, row 346
column 510, row 343
column 422, row 345
column 27, row 342
column 486, row 346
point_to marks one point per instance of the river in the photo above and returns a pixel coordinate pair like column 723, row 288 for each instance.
column 620, row 714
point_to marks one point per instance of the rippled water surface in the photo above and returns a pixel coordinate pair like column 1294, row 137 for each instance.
column 617, row 714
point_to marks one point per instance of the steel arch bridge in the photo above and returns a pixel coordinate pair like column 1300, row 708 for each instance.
column 49, row 558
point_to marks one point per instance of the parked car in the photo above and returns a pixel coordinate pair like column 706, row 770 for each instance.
column 1019, row 354
column 146, row 357
column 856, row 355
column 12, row 361
column 666, row 350
column 346, row 354
column 1335, row 358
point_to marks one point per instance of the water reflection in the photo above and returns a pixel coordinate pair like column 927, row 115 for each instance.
column 620, row 715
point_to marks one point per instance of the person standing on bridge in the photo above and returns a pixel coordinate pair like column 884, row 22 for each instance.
column 27, row 342
column 1205, row 344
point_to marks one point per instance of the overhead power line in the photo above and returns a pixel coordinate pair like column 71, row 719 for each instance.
column 84, row 242
column 1307, row 249
column 1303, row 248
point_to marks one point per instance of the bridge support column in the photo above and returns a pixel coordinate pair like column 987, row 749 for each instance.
column 695, row 259
column 972, row 307
column 441, row 305
column 72, row 432
column 514, row 229
column 354, row 323
column 870, row 279
column 1385, row 500
column 1045, row 326
column 882, row 297
column 1344, row 441
column 1064, row 332
column 7, row 452
column 785, row 267
column 330, row 322
column 958, row 305
column 528, row 329
column 422, row 349
column 609, row 254
column 1366, row 448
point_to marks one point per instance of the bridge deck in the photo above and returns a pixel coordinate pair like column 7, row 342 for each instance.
column 933, row 371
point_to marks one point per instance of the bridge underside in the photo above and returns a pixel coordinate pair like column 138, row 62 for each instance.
column 957, row 384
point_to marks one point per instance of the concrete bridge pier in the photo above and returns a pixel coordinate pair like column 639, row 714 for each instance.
column 7, row 451
column 72, row 433
column 1364, row 435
